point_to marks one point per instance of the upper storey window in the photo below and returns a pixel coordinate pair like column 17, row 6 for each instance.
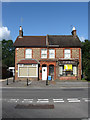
column 51, row 53
column 28, row 53
column 43, row 53
column 67, row 53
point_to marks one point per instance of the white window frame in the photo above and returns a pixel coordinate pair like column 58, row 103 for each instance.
column 75, row 70
column 67, row 52
column 22, row 65
column 60, row 70
column 51, row 53
column 30, row 53
column 43, row 53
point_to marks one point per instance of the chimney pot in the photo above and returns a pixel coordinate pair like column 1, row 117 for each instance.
column 20, row 32
column 73, row 31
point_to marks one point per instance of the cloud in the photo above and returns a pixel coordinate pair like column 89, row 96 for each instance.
column 4, row 33
column 82, row 39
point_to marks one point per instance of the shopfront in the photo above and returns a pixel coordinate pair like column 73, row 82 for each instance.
column 68, row 69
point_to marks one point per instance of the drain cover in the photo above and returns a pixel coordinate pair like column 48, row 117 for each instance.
column 35, row 106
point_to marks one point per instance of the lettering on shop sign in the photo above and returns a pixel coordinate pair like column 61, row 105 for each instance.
column 67, row 62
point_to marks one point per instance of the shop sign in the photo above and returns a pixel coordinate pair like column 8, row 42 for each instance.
column 67, row 62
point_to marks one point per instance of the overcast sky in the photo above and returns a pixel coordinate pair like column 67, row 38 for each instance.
column 44, row 18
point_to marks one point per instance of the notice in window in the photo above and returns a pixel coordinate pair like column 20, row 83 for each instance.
column 68, row 67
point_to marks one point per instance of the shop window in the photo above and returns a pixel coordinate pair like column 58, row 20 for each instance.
column 43, row 53
column 67, row 70
column 61, row 70
column 74, row 70
column 67, row 53
column 51, row 53
column 27, row 70
column 28, row 53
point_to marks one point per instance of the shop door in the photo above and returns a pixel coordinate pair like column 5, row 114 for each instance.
column 44, row 73
column 51, row 71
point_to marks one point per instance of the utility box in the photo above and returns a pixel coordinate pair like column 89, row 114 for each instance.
column 49, row 77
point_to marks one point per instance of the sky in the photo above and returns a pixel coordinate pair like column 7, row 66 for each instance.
column 42, row 18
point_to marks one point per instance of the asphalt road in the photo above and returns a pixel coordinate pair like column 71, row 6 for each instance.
column 68, row 103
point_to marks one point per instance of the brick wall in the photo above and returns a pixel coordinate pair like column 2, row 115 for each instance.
column 36, row 53
column 59, row 52
column 20, row 54
column 75, row 52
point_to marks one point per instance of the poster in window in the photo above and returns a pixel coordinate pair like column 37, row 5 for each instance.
column 68, row 67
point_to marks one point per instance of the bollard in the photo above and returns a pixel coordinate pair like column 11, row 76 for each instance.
column 13, row 78
column 47, row 82
column 27, row 81
column 7, row 81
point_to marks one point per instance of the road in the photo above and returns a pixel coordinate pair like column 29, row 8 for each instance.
column 68, row 103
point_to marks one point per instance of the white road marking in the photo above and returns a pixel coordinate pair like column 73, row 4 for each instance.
column 42, row 101
column 29, row 99
column 70, row 100
column 87, row 100
column 58, row 101
column 74, row 101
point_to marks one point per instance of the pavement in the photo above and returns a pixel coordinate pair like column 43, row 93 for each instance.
column 42, row 84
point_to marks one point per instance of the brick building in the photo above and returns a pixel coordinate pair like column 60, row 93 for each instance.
column 36, row 57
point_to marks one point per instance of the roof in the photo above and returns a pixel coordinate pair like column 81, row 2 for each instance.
column 28, row 61
column 53, row 41
column 31, row 41
column 64, row 40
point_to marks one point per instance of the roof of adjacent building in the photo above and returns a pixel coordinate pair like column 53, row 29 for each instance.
column 53, row 41
column 64, row 40
column 31, row 41
column 28, row 61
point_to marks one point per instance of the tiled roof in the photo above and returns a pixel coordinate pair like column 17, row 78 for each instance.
column 64, row 40
column 28, row 61
column 52, row 40
column 30, row 41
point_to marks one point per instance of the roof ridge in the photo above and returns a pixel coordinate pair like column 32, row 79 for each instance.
column 61, row 35
column 34, row 36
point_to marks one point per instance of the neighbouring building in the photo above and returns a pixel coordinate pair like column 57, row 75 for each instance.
column 36, row 57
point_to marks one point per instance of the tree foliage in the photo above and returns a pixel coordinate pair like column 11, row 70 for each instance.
column 8, row 53
column 86, row 59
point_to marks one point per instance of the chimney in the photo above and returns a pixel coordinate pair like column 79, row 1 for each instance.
column 47, row 40
column 20, row 32
column 73, row 31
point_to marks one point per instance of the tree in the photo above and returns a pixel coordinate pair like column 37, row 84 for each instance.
column 86, row 58
column 8, row 53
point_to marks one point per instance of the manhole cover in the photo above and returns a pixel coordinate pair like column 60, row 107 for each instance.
column 35, row 106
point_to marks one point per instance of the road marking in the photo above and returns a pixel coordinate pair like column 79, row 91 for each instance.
column 74, row 101
column 29, row 99
column 58, row 101
column 86, row 99
column 42, row 101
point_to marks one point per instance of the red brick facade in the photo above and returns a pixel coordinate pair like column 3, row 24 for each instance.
column 59, row 54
